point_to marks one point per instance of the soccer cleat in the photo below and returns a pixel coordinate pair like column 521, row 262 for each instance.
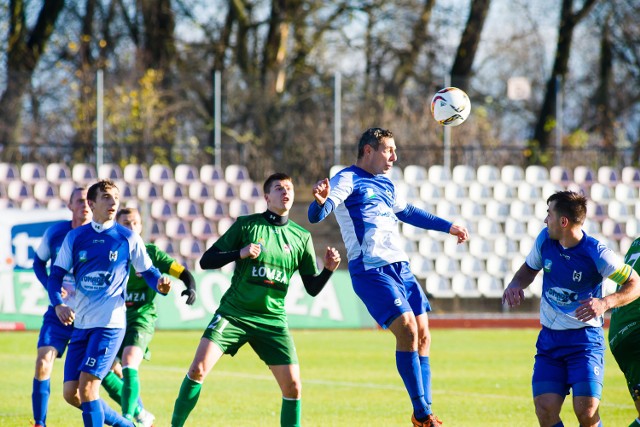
column 145, row 419
column 431, row 421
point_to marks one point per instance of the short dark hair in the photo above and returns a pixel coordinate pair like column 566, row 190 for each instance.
column 76, row 190
column 127, row 211
column 102, row 185
column 278, row 176
column 570, row 204
column 372, row 137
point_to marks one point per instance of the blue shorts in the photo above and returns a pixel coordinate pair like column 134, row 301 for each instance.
column 92, row 351
column 569, row 359
column 389, row 291
column 53, row 333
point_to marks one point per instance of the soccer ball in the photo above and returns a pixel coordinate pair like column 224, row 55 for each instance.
column 450, row 106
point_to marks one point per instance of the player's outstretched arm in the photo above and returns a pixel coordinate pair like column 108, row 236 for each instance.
column 460, row 232
column 190, row 282
column 321, row 191
column 593, row 307
column 314, row 284
column 514, row 293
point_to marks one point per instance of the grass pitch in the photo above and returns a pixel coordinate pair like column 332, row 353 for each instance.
column 481, row 377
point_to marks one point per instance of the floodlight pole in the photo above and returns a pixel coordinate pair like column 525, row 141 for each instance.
column 99, row 118
column 217, row 133
column 337, row 121
column 559, row 114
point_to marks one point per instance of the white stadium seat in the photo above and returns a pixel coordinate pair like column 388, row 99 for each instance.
column 58, row 172
column 210, row 174
column 464, row 175
column 415, row 175
column 396, row 174
column 489, row 286
column 487, row 174
column 84, row 173
column 506, row 246
column 17, row 191
column 223, row 191
column 464, row 286
column 480, row 192
column 199, row 192
column 480, row 248
column 536, row 175
column 528, row 192
column 173, row 192
column 238, row 208
column 147, row 191
column 625, row 193
column 421, row 267
column 163, row 210
column 430, row 248
column 32, row 172
column 439, row 175
column 608, row 175
column 630, row 175
column 160, row 174
column 471, row 266
column 504, row 192
column 110, row 171
column 176, row 228
column 235, row 174
column 186, row 174
column 439, row 286
column 135, row 174
column 9, row 172
column 44, row 191
column 601, row 193
column 584, row 176
column 214, row 210
column 560, row 175
column 430, row 192
column 203, row 228
column 188, row 209
column 455, row 250
column 512, row 174
column 446, row 266
column 250, row 191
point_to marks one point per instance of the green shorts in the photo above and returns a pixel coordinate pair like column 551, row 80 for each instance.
column 627, row 354
column 273, row 344
column 138, row 335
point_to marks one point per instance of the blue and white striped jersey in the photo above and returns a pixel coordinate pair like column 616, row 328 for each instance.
column 99, row 256
column 572, row 275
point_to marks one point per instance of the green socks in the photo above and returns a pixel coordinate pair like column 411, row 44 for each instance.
column 130, row 391
column 290, row 412
column 113, row 384
column 186, row 401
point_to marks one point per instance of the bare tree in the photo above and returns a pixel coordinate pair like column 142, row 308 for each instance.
column 461, row 71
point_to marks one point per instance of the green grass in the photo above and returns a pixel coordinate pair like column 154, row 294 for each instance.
column 480, row 378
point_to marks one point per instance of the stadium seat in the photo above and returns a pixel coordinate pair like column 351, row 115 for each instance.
column 430, row 192
column 412, row 232
column 210, row 174
column 186, row 174
column 522, row 211
column 525, row 245
column 421, row 267
column 560, row 175
column 44, row 191
column 592, row 227
column 154, row 229
column 30, row 204
column 463, row 175
column 260, row 205
column 396, row 174
column 438, row 286
column 147, row 191
column 480, row 193
column 9, row 172
column 415, row 175
column 335, row 169
column 601, row 193
column 464, row 286
column 506, row 245
column 498, row 266
column 8, row 204
column 162, row 209
column 235, row 174
column 504, row 192
column 515, row 228
column 224, row 224
column 84, row 174
column 239, row 207
column 455, row 193
column 127, row 191
column 18, row 191
column 65, row 189
column 608, row 176
column 497, row 210
column 135, row 174
column 223, row 191
column 439, row 175
column 632, row 227
column 528, row 192
column 203, row 228
column 471, row 210
column 489, row 228
column 512, row 174
column 57, row 173
column 430, row 248
column 446, row 266
column 214, row 210
column 176, row 228
column 167, row 245
column 408, row 246
column 489, row 286
column 625, row 243
column 487, row 174
column 188, row 209
column 249, row 191
column 191, row 248
column 471, row 266
column 447, row 209
column 535, row 288
column 32, row 172
column 536, row 175
column 535, row 226
column 173, row 192
column 630, row 175
column 618, row 211
column 455, row 250
column 160, row 174
column 110, row 171
column 199, row 191
column 548, row 189
column 406, row 192
column 613, row 229
column 596, row 211
column 56, row 204
column 625, row 193
column 584, row 176
column 480, row 248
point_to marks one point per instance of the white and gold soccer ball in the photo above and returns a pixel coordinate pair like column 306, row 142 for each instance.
column 450, row 106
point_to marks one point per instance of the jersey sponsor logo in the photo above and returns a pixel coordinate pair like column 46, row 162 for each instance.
column 113, row 255
column 96, row 280
column 136, row 297
column 370, row 193
column 82, row 256
column 577, row 276
column 547, row 265
column 562, row 296
column 97, row 241
column 270, row 274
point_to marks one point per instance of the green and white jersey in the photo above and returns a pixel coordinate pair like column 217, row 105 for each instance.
column 140, row 296
column 259, row 286
column 625, row 320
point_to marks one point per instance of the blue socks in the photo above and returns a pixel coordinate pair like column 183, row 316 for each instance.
column 408, row 364
column 92, row 414
column 40, row 400
column 425, row 366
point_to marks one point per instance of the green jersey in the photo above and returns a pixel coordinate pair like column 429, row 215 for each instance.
column 626, row 319
column 139, row 295
column 259, row 286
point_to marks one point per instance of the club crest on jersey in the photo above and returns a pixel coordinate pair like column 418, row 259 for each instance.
column 389, row 193
column 577, row 276
column 82, row 256
column 113, row 255
column 286, row 248
column 547, row 265
column 370, row 193
column 263, row 244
